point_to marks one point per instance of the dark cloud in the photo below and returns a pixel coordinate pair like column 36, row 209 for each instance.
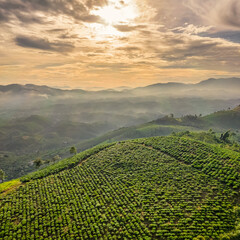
column 26, row 10
column 96, row 3
column 129, row 49
column 3, row 17
column 127, row 28
column 196, row 52
column 43, row 44
column 180, row 47
column 56, row 30
column 111, row 66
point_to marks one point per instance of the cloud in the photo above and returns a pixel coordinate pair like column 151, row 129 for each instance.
column 27, row 11
column 128, row 28
column 43, row 44
column 199, row 52
column 93, row 3
column 192, row 29
column 220, row 13
column 232, row 36
column 129, row 48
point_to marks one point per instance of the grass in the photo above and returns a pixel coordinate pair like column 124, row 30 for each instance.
column 6, row 186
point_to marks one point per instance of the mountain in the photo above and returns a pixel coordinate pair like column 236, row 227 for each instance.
column 35, row 89
column 220, row 121
column 221, row 83
column 223, row 88
column 153, row 188
column 40, row 121
column 24, row 139
column 28, row 138
column 164, row 86
column 35, row 133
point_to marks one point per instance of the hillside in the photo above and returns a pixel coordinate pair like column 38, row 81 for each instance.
column 153, row 188
column 225, row 119
column 219, row 121
column 25, row 139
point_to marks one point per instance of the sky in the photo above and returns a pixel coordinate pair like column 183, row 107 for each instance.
column 93, row 44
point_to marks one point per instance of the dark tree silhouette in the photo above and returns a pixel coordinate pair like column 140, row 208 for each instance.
column 73, row 150
column 38, row 162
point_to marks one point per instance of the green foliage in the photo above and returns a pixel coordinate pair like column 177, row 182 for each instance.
column 224, row 136
column 63, row 164
column 219, row 163
column 73, row 150
column 156, row 188
column 38, row 162
column 7, row 185
column 2, row 175
column 56, row 158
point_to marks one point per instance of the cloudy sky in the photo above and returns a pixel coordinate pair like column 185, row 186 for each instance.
column 104, row 43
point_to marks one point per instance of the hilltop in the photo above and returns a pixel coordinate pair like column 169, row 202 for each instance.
column 153, row 188
column 237, row 109
column 220, row 121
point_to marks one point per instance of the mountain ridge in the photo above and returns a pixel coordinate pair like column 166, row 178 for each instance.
column 223, row 82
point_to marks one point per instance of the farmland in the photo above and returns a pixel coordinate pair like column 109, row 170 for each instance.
column 152, row 188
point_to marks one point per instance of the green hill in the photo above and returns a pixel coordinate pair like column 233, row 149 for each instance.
column 219, row 121
column 25, row 139
column 152, row 188
column 225, row 119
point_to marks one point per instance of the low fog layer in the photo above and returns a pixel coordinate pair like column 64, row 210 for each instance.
column 37, row 119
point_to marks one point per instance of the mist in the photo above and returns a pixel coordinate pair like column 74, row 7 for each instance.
column 37, row 119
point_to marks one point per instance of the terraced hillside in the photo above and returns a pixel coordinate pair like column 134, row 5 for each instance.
column 153, row 188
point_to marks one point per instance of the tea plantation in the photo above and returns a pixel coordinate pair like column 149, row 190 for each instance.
column 153, row 188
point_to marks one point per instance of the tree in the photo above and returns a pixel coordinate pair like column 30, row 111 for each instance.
column 2, row 175
column 224, row 136
column 211, row 131
column 38, row 162
column 73, row 150
column 56, row 158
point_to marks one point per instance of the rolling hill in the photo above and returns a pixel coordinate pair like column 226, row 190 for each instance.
column 152, row 188
column 225, row 119
column 219, row 121
column 47, row 138
column 40, row 121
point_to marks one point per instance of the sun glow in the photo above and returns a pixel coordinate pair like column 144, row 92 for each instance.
column 116, row 13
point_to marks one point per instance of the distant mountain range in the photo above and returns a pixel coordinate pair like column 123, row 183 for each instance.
column 40, row 120
column 215, row 88
column 212, row 83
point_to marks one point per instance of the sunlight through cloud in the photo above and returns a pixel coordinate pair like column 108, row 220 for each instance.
column 117, row 12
